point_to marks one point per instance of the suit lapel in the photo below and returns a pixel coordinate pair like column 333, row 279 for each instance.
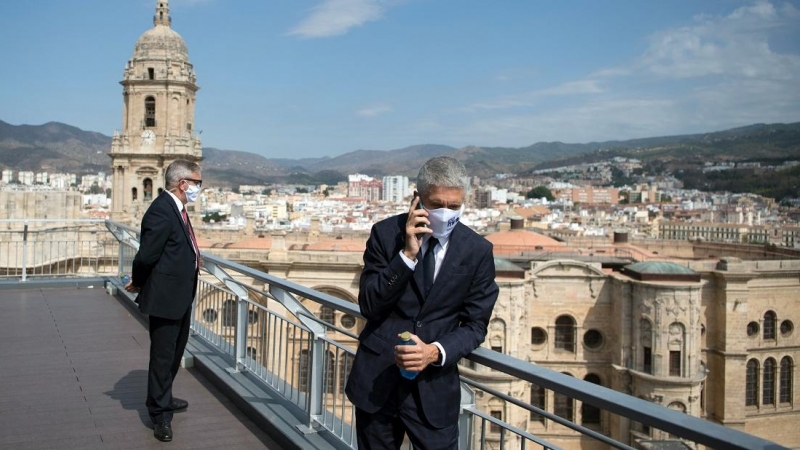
column 174, row 207
column 456, row 250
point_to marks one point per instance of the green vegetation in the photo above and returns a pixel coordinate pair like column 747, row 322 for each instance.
column 778, row 184
column 539, row 192
column 215, row 217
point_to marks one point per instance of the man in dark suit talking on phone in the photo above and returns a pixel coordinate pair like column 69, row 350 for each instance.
column 426, row 273
column 164, row 274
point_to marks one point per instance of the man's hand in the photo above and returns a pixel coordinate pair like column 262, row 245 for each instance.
column 131, row 288
column 416, row 226
column 415, row 358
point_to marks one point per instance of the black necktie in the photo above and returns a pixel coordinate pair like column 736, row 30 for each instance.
column 429, row 263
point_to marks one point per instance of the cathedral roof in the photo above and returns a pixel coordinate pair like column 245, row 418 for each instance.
column 660, row 271
column 161, row 43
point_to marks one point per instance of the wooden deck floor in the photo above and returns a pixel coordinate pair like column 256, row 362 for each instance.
column 73, row 374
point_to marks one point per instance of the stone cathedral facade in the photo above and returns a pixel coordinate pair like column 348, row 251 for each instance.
column 159, row 87
column 713, row 338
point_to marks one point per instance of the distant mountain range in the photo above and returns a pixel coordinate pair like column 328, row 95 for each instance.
column 63, row 148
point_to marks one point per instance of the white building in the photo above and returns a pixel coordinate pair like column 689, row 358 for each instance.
column 395, row 188
column 25, row 178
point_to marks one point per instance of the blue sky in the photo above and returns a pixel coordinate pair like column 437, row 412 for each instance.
column 310, row 78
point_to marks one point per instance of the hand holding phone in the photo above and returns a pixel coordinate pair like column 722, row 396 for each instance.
column 416, row 227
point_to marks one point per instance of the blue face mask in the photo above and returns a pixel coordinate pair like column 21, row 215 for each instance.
column 192, row 193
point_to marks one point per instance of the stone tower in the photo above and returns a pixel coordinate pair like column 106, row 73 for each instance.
column 158, row 92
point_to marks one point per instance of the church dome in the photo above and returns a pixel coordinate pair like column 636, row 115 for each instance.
column 161, row 43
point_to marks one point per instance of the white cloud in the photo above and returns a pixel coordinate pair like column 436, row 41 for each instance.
column 373, row 111
column 735, row 45
column 336, row 17
column 718, row 72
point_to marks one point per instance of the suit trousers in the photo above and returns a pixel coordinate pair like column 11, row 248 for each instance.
column 168, row 339
column 402, row 414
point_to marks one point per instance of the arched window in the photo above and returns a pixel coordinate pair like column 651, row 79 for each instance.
column 768, row 391
column 537, row 400
column 770, row 324
column 330, row 372
column 497, row 335
column 134, row 194
column 345, row 364
column 565, row 333
column 646, row 337
column 147, row 189
column 229, row 313
column 677, row 406
column 785, row 390
column 675, row 343
column 326, row 314
column 751, row 384
column 564, row 406
column 149, row 112
column 303, row 371
column 252, row 353
column 590, row 413
column 496, row 407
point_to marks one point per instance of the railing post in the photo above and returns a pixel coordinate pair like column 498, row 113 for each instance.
column 120, row 258
column 25, row 252
column 240, row 330
column 315, row 389
column 316, row 360
column 465, row 419
column 240, row 334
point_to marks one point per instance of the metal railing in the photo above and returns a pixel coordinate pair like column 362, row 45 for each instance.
column 55, row 248
column 263, row 324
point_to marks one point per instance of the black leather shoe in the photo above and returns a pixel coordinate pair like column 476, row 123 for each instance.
column 163, row 431
column 178, row 405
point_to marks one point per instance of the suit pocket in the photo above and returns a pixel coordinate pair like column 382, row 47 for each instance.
column 375, row 343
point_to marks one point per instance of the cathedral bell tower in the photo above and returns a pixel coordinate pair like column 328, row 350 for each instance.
column 158, row 92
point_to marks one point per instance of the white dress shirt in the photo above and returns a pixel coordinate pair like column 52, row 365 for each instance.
column 438, row 252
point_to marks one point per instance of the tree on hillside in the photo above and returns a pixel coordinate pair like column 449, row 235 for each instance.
column 539, row 192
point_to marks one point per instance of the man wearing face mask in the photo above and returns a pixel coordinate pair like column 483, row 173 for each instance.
column 164, row 274
column 426, row 273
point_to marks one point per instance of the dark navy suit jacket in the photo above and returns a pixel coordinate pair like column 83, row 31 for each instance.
column 455, row 313
column 164, row 266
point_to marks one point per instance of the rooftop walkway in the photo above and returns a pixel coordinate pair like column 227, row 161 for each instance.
column 73, row 372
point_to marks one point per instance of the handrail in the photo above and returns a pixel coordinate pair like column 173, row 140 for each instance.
column 675, row 422
column 311, row 396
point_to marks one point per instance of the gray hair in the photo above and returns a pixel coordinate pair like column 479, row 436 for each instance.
column 178, row 170
column 442, row 171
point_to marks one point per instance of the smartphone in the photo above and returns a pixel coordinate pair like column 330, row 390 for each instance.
column 419, row 206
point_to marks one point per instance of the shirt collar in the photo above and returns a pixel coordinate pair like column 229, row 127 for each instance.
column 442, row 241
column 177, row 200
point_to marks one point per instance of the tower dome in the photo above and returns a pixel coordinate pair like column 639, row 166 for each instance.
column 161, row 42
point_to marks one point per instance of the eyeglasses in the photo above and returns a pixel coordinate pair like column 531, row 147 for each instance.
column 199, row 183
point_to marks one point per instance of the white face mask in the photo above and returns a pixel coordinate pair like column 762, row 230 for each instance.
column 192, row 192
column 443, row 221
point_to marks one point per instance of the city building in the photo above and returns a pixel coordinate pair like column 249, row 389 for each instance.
column 364, row 186
column 395, row 188
column 713, row 338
